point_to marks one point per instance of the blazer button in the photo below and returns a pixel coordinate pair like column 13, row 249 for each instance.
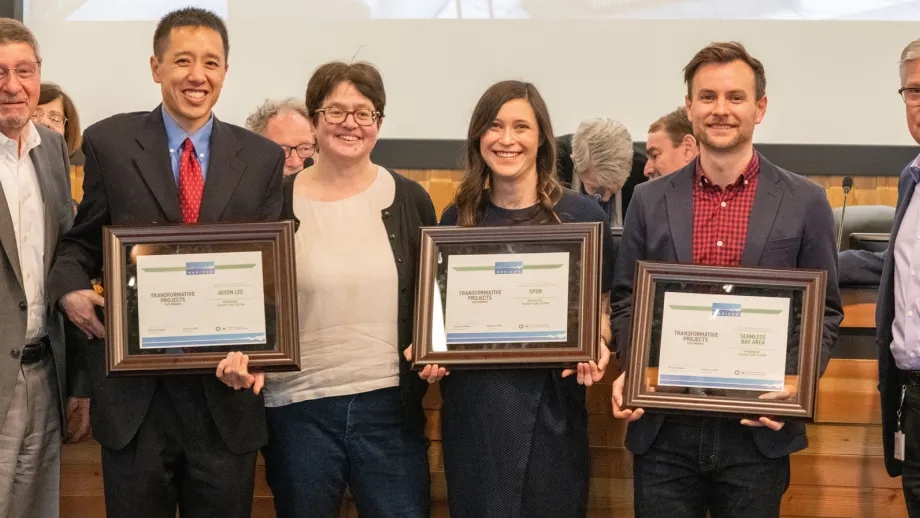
column 399, row 259
column 23, row 305
column 14, row 353
column 392, row 236
column 386, row 214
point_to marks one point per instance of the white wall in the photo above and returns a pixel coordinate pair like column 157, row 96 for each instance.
column 828, row 82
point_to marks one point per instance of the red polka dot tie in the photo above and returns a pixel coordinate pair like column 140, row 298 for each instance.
column 191, row 183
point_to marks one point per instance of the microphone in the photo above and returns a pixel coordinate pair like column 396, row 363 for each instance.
column 847, row 185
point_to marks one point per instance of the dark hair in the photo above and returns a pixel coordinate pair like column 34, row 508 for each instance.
column 328, row 76
column 472, row 197
column 72, row 134
column 675, row 124
column 188, row 17
column 723, row 53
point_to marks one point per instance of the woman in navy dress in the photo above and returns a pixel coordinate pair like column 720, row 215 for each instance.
column 516, row 440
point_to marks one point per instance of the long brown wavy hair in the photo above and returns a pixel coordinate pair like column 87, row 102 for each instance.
column 473, row 193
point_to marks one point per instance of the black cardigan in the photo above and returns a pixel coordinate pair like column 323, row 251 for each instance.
column 411, row 210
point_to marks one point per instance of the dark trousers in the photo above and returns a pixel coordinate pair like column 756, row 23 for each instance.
column 910, row 475
column 178, row 458
column 316, row 448
column 698, row 464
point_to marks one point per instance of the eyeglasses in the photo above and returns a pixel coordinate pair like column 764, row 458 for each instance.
column 304, row 151
column 910, row 94
column 22, row 71
column 53, row 117
column 363, row 117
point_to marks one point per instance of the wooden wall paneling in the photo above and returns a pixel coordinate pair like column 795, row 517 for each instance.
column 442, row 183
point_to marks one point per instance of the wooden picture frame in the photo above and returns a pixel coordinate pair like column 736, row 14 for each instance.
column 524, row 347
column 270, row 244
column 721, row 391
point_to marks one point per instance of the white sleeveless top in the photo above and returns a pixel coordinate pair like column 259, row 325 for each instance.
column 347, row 296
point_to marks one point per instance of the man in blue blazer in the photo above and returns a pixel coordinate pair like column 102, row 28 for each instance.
column 728, row 207
column 897, row 315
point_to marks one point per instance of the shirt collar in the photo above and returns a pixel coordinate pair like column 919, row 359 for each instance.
column 175, row 135
column 30, row 139
column 751, row 170
column 914, row 169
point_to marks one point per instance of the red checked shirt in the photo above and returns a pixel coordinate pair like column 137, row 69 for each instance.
column 720, row 216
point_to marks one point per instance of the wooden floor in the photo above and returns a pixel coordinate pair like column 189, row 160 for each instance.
column 841, row 474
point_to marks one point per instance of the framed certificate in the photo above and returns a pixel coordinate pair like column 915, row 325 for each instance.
column 179, row 298
column 524, row 296
column 725, row 340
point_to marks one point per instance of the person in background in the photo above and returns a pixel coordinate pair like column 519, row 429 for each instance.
column 57, row 111
column 177, row 442
column 516, row 440
column 602, row 154
column 34, row 213
column 565, row 170
column 287, row 124
column 670, row 144
column 352, row 417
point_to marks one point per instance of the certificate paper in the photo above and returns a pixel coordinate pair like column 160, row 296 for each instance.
column 507, row 298
column 723, row 341
column 199, row 300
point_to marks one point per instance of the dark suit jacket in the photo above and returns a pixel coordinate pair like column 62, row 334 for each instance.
column 128, row 180
column 861, row 267
column 53, row 172
column 890, row 377
column 791, row 226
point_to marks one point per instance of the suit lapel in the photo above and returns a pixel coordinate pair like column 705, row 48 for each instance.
column 224, row 171
column 767, row 199
column 899, row 216
column 155, row 167
column 679, row 203
column 45, row 183
column 8, row 236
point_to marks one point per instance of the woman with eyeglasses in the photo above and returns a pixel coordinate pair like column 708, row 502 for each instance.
column 353, row 415
column 57, row 112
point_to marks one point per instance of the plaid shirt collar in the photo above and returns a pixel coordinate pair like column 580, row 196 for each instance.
column 748, row 175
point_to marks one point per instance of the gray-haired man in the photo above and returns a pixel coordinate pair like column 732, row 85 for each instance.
column 35, row 209
column 897, row 315
column 287, row 124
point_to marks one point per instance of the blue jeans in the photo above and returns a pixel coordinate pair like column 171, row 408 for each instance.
column 363, row 441
column 699, row 463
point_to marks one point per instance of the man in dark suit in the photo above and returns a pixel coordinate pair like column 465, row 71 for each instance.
column 897, row 315
column 728, row 207
column 189, row 441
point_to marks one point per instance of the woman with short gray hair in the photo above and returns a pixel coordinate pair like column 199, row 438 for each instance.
column 602, row 153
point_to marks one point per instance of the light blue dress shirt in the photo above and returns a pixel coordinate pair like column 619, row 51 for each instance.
column 175, row 136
